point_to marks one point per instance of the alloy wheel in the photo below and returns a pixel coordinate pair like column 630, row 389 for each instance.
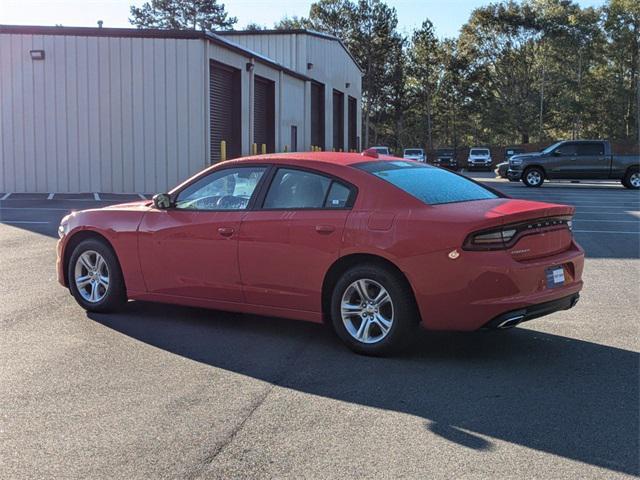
column 534, row 177
column 634, row 180
column 91, row 276
column 367, row 311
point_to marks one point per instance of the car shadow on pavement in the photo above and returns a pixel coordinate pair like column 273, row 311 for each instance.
column 567, row 397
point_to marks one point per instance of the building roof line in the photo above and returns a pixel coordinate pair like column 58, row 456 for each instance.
column 213, row 37
column 293, row 31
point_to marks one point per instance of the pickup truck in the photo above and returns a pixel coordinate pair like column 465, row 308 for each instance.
column 575, row 160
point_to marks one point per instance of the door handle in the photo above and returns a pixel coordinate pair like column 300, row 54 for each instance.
column 226, row 231
column 325, row 228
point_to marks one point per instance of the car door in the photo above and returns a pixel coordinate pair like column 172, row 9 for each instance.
column 191, row 249
column 592, row 161
column 562, row 162
column 287, row 244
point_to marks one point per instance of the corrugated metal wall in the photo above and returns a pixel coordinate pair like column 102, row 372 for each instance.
column 101, row 114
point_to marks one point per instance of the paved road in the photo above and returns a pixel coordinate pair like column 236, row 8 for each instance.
column 161, row 391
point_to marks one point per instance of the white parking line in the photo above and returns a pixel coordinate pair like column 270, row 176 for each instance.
column 628, row 212
column 36, row 208
column 96, row 196
column 142, row 196
column 607, row 221
column 23, row 221
column 607, row 231
column 5, row 196
column 50, row 196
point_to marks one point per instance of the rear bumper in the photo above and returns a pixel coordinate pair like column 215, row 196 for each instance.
column 471, row 291
column 515, row 317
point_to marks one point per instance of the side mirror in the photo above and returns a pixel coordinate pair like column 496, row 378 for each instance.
column 557, row 153
column 162, row 201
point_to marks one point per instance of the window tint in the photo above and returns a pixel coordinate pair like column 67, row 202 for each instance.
column 338, row 196
column 297, row 189
column 413, row 152
column 228, row 189
column 590, row 149
column 431, row 185
column 567, row 149
column 479, row 152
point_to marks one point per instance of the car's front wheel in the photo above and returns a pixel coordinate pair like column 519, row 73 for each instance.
column 533, row 177
column 373, row 310
column 95, row 278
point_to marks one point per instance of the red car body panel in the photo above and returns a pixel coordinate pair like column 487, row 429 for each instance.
column 274, row 262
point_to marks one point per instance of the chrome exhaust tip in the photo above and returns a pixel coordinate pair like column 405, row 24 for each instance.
column 511, row 322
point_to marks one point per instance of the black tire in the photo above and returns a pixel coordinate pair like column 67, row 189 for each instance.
column 113, row 296
column 530, row 175
column 631, row 178
column 405, row 314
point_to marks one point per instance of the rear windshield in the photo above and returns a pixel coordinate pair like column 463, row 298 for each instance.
column 382, row 150
column 413, row 152
column 432, row 185
column 479, row 152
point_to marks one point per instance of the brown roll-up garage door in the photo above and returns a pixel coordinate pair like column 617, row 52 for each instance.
column 353, row 124
column 317, row 115
column 264, row 114
column 224, row 110
column 338, row 120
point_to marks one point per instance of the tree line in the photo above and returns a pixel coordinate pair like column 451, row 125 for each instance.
column 518, row 72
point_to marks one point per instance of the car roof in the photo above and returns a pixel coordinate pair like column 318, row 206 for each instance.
column 314, row 158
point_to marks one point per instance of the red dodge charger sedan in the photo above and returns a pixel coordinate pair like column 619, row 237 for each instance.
column 374, row 246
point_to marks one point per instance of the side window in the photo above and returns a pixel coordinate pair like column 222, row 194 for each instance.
column 297, row 189
column 228, row 189
column 338, row 196
column 590, row 149
column 566, row 150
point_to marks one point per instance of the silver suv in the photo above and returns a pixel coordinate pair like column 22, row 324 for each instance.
column 479, row 158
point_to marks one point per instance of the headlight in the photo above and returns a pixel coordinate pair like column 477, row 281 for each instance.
column 515, row 162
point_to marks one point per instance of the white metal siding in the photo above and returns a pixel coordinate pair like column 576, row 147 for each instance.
column 100, row 114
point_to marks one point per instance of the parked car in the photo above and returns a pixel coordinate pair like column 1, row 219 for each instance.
column 503, row 167
column 416, row 154
column 446, row 158
column 382, row 150
column 373, row 247
column 575, row 160
column 479, row 158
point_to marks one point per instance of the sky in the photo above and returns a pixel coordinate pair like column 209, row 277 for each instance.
column 447, row 15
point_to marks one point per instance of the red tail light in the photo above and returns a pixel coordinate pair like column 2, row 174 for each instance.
column 506, row 236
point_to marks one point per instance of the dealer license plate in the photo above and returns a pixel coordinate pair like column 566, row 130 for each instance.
column 555, row 277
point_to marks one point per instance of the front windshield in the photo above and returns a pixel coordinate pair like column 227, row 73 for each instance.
column 413, row 152
column 551, row 148
column 479, row 152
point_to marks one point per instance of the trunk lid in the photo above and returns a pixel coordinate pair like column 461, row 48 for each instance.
column 541, row 228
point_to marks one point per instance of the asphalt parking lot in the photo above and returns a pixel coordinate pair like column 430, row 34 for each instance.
column 172, row 392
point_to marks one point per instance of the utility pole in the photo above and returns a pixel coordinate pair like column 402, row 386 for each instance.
column 541, row 101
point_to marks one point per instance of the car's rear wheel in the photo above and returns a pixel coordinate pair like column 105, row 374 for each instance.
column 632, row 179
column 95, row 278
column 373, row 310
column 533, row 177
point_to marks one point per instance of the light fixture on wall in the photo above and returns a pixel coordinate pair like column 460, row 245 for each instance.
column 309, row 66
column 249, row 66
column 347, row 85
column 36, row 54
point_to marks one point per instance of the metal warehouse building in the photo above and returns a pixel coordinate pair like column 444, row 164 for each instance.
column 129, row 110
